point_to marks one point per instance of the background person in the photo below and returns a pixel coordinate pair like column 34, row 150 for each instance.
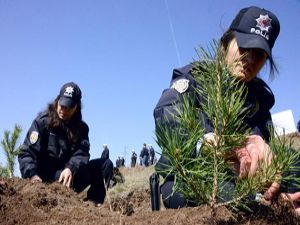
column 107, row 165
column 152, row 154
column 118, row 162
column 122, row 161
column 133, row 159
column 105, row 152
column 145, row 155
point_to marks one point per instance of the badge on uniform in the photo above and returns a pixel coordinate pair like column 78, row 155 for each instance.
column 181, row 85
column 85, row 143
column 34, row 136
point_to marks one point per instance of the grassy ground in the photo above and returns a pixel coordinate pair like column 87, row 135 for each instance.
column 295, row 137
column 135, row 178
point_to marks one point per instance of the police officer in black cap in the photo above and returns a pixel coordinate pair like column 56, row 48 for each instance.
column 105, row 152
column 57, row 146
column 252, row 35
column 107, row 165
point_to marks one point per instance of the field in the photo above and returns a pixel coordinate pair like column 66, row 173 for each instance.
column 22, row 202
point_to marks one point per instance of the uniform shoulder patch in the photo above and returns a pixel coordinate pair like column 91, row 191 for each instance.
column 181, row 85
column 34, row 136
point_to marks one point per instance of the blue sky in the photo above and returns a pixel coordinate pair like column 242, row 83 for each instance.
column 121, row 53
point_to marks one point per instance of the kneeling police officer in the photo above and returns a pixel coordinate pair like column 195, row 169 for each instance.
column 56, row 147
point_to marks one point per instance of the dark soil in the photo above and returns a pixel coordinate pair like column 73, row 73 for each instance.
column 23, row 202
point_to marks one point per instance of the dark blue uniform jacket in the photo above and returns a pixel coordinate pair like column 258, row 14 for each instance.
column 46, row 151
column 259, row 101
column 144, row 152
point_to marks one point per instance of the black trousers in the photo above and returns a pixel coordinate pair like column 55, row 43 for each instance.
column 133, row 162
column 172, row 200
column 96, row 174
column 178, row 200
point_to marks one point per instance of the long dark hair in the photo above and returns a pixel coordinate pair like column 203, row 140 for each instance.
column 71, row 127
column 227, row 38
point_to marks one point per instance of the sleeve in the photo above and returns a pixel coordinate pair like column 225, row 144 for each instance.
column 182, row 83
column 81, row 155
column 260, row 100
column 31, row 148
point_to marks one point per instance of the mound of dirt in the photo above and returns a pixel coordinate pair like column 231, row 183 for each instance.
column 23, row 202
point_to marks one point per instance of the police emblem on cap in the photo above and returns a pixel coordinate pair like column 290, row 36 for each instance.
column 181, row 85
column 85, row 143
column 34, row 136
column 264, row 22
column 69, row 91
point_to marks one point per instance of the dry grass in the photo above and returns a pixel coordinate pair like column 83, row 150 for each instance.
column 135, row 178
column 295, row 137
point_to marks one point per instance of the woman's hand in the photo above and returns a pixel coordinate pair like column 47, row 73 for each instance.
column 35, row 179
column 294, row 198
column 251, row 156
column 255, row 153
column 65, row 177
column 246, row 160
